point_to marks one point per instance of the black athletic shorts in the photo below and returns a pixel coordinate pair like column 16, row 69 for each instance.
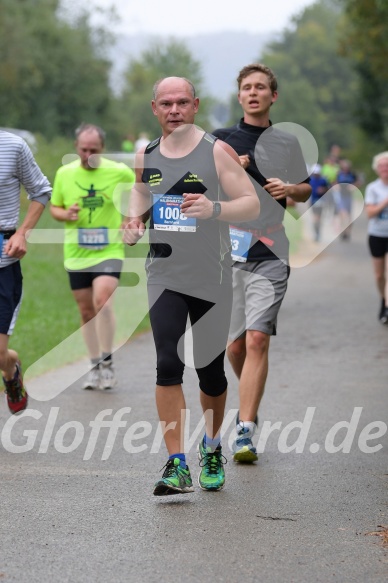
column 169, row 311
column 378, row 246
column 84, row 279
column 10, row 296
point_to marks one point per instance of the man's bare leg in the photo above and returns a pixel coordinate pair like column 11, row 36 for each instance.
column 84, row 299
column 214, row 409
column 8, row 358
column 211, row 460
column 103, row 293
column 17, row 398
column 171, row 406
column 250, row 363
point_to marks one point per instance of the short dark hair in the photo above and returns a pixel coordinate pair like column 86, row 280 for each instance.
column 87, row 127
column 158, row 82
column 258, row 68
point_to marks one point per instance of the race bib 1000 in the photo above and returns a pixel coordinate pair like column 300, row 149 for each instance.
column 167, row 216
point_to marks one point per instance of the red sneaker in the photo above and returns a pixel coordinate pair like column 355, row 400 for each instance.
column 16, row 394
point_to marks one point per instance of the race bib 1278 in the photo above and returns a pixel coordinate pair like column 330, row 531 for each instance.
column 93, row 238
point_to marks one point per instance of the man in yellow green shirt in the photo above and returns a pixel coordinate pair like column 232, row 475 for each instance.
column 87, row 198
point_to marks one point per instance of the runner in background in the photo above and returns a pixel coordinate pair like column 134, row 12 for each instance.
column 319, row 187
column 142, row 141
column 274, row 162
column 329, row 171
column 346, row 178
column 128, row 144
column 376, row 206
column 87, row 198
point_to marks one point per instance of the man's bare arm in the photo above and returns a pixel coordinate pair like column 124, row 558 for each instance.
column 139, row 205
column 16, row 246
column 280, row 190
column 243, row 203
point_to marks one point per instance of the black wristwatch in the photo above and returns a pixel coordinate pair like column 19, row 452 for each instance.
column 216, row 210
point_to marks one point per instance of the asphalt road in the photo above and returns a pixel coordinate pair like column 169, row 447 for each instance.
column 77, row 504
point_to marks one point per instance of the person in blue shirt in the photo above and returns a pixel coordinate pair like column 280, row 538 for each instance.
column 345, row 179
column 319, row 186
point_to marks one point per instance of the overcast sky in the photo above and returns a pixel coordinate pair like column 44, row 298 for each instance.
column 202, row 16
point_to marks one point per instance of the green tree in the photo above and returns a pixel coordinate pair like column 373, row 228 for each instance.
column 365, row 41
column 171, row 58
column 316, row 85
column 52, row 74
column 365, row 37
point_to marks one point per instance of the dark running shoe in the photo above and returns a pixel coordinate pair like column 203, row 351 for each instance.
column 175, row 480
column 212, row 476
column 15, row 391
column 384, row 317
column 382, row 309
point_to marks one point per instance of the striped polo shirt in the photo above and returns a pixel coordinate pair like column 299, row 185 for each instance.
column 18, row 167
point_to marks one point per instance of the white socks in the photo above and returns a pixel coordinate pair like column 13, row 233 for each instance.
column 248, row 428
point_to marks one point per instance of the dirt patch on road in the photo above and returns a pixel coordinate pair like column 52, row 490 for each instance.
column 382, row 533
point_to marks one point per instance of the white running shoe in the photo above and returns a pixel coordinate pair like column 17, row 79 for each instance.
column 108, row 379
column 93, row 379
column 243, row 448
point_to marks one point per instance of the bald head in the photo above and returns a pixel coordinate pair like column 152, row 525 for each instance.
column 89, row 143
column 174, row 104
column 173, row 84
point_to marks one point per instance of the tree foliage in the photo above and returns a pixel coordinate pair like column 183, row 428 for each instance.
column 54, row 73
column 52, row 76
column 316, row 84
column 366, row 39
column 365, row 42
column 171, row 58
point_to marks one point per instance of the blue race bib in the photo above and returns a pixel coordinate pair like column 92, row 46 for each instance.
column 167, row 216
column 93, row 238
column 241, row 242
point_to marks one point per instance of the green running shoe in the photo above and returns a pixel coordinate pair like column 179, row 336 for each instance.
column 175, row 480
column 212, row 476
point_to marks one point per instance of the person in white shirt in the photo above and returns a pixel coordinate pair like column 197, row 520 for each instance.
column 376, row 205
